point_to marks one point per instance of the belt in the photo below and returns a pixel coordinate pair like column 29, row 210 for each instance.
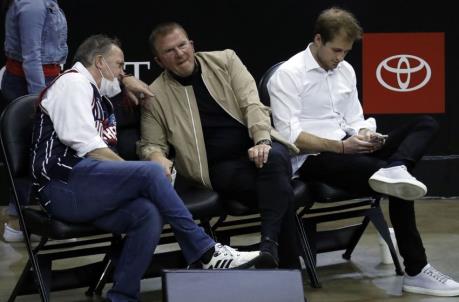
column 15, row 67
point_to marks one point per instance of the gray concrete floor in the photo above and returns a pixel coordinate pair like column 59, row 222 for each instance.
column 362, row 279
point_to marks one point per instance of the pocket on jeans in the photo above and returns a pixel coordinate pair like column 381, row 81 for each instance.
column 62, row 203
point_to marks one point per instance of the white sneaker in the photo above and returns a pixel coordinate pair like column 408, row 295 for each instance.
column 12, row 235
column 431, row 282
column 397, row 181
column 226, row 257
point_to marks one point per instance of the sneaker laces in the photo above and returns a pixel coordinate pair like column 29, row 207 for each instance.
column 226, row 250
column 440, row 277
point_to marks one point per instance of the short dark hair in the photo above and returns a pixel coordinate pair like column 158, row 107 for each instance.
column 334, row 21
column 162, row 30
column 94, row 46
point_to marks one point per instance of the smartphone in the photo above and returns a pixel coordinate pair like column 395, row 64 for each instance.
column 379, row 138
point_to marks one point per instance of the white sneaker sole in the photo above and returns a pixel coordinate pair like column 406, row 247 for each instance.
column 33, row 238
column 431, row 292
column 247, row 264
column 402, row 190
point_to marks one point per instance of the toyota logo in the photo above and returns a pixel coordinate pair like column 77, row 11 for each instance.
column 404, row 70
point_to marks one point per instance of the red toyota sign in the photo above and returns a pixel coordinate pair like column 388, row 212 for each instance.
column 404, row 72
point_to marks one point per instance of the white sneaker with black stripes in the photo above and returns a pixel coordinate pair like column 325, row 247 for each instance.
column 225, row 257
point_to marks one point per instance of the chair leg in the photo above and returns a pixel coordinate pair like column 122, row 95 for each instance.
column 217, row 236
column 45, row 269
column 43, row 287
column 33, row 257
column 355, row 238
column 20, row 283
column 377, row 218
column 108, row 269
column 307, row 253
column 208, row 228
column 100, row 281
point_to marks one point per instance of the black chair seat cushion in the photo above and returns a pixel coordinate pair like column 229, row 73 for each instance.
column 324, row 193
column 237, row 208
column 300, row 192
column 201, row 202
column 39, row 223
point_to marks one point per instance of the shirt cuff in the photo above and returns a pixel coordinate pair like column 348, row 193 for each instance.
column 144, row 152
column 261, row 135
column 369, row 123
column 295, row 130
column 84, row 148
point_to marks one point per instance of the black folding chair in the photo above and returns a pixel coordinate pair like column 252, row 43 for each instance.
column 249, row 222
column 203, row 204
column 38, row 275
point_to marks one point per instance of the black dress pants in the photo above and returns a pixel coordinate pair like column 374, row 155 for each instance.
column 268, row 189
column 406, row 144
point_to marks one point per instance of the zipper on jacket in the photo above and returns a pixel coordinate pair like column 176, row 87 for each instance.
column 195, row 136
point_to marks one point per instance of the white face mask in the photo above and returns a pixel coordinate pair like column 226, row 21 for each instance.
column 109, row 88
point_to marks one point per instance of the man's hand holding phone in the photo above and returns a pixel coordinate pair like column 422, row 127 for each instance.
column 378, row 138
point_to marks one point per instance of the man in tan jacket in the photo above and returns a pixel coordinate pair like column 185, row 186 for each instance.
column 206, row 106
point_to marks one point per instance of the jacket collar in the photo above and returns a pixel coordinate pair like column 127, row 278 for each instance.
column 78, row 66
column 204, row 71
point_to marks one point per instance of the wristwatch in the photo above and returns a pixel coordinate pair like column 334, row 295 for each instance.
column 264, row 142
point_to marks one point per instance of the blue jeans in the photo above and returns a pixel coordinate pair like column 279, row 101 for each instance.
column 131, row 197
column 12, row 87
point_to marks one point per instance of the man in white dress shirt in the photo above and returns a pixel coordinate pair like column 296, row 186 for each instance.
column 315, row 105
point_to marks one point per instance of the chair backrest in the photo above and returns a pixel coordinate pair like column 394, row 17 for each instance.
column 16, row 132
column 262, row 85
column 127, row 128
column 16, row 124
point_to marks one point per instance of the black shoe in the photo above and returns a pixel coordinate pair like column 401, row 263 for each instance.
column 268, row 254
column 195, row 265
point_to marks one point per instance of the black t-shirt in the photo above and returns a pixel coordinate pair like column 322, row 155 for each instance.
column 225, row 138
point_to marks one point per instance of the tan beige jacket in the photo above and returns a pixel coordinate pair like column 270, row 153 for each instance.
column 172, row 117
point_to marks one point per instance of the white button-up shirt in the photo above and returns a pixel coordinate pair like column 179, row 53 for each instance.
column 68, row 102
column 305, row 97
